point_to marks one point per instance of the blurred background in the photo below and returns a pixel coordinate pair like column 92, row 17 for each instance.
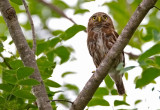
column 64, row 60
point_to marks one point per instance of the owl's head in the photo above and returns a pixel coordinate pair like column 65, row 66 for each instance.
column 99, row 20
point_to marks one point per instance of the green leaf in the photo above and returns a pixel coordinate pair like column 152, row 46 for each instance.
column 57, row 32
column 70, row 32
column 72, row 87
column 118, row 102
column 148, row 76
column 149, row 34
column 98, row 101
column 2, row 100
column 126, row 76
column 52, row 83
column 63, row 53
column 29, row 106
column 54, row 41
column 24, row 72
column 50, row 55
column 29, row 82
column 126, row 69
column 152, row 51
column 60, row 4
column 114, row 92
column 121, row 68
column 80, row 11
column 41, row 47
column 3, row 38
column 43, row 62
column 24, row 94
column 6, row 87
column 156, row 35
column 10, row 76
column 16, row 64
column 50, row 93
column 101, row 91
column 18, row 2
column 137, row 102
column 67, row 73
column 109, row 82
column 46, row 67
column 1, row 47
column 157, row 60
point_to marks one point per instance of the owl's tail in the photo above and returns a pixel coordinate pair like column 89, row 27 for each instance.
column 120, row 88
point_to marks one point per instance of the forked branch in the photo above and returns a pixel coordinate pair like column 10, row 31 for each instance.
column 32, row 26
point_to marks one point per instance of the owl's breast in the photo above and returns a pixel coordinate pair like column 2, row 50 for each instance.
column 97, row 45
column 101, row 44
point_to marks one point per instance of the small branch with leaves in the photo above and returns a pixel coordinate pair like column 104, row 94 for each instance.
column 56, row 9
column 6, row 63
column 61, row 100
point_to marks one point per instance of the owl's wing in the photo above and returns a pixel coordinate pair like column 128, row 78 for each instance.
column 115, row 34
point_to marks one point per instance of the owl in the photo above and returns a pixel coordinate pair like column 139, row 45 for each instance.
column 101, row 37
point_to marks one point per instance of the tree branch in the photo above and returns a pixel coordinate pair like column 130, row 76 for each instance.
column 32, row 26
column 25, row 52
column 131, row 55
column 93, row 83
column 6, row 63
column 61, row 100
column 56, row 9
column 157, row 8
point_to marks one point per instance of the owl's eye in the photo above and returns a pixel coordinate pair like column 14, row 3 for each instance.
column 105, row 17
column 93, row 18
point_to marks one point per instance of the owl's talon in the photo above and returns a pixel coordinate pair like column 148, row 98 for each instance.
column 93, row 71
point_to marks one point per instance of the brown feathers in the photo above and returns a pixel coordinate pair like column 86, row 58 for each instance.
column 101, row 37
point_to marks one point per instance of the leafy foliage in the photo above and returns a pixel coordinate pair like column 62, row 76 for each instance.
column 24, row 72
column 52, row 83
column 118, row 102
column 18, row 2
column 67, row 73
column 148, row 75
column 98, row 101
column 101, row 91
column 23, row 94
column 70, row 32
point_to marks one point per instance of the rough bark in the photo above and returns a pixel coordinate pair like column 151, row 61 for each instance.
column 25, row 52
column 93, row 83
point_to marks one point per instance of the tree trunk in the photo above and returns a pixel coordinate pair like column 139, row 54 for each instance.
column 25, row 52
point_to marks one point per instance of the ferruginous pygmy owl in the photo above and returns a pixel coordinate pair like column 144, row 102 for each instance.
column 101, row 37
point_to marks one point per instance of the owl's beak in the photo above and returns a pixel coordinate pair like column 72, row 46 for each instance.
column 99, row 18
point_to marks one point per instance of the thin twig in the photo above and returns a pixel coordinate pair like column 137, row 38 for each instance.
column 131, row 55
column 32, row 26
column 4, row 60
column 59, row 11
column 157, row 8
column 61, row 100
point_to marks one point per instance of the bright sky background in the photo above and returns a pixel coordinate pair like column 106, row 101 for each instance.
column 83, row 65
